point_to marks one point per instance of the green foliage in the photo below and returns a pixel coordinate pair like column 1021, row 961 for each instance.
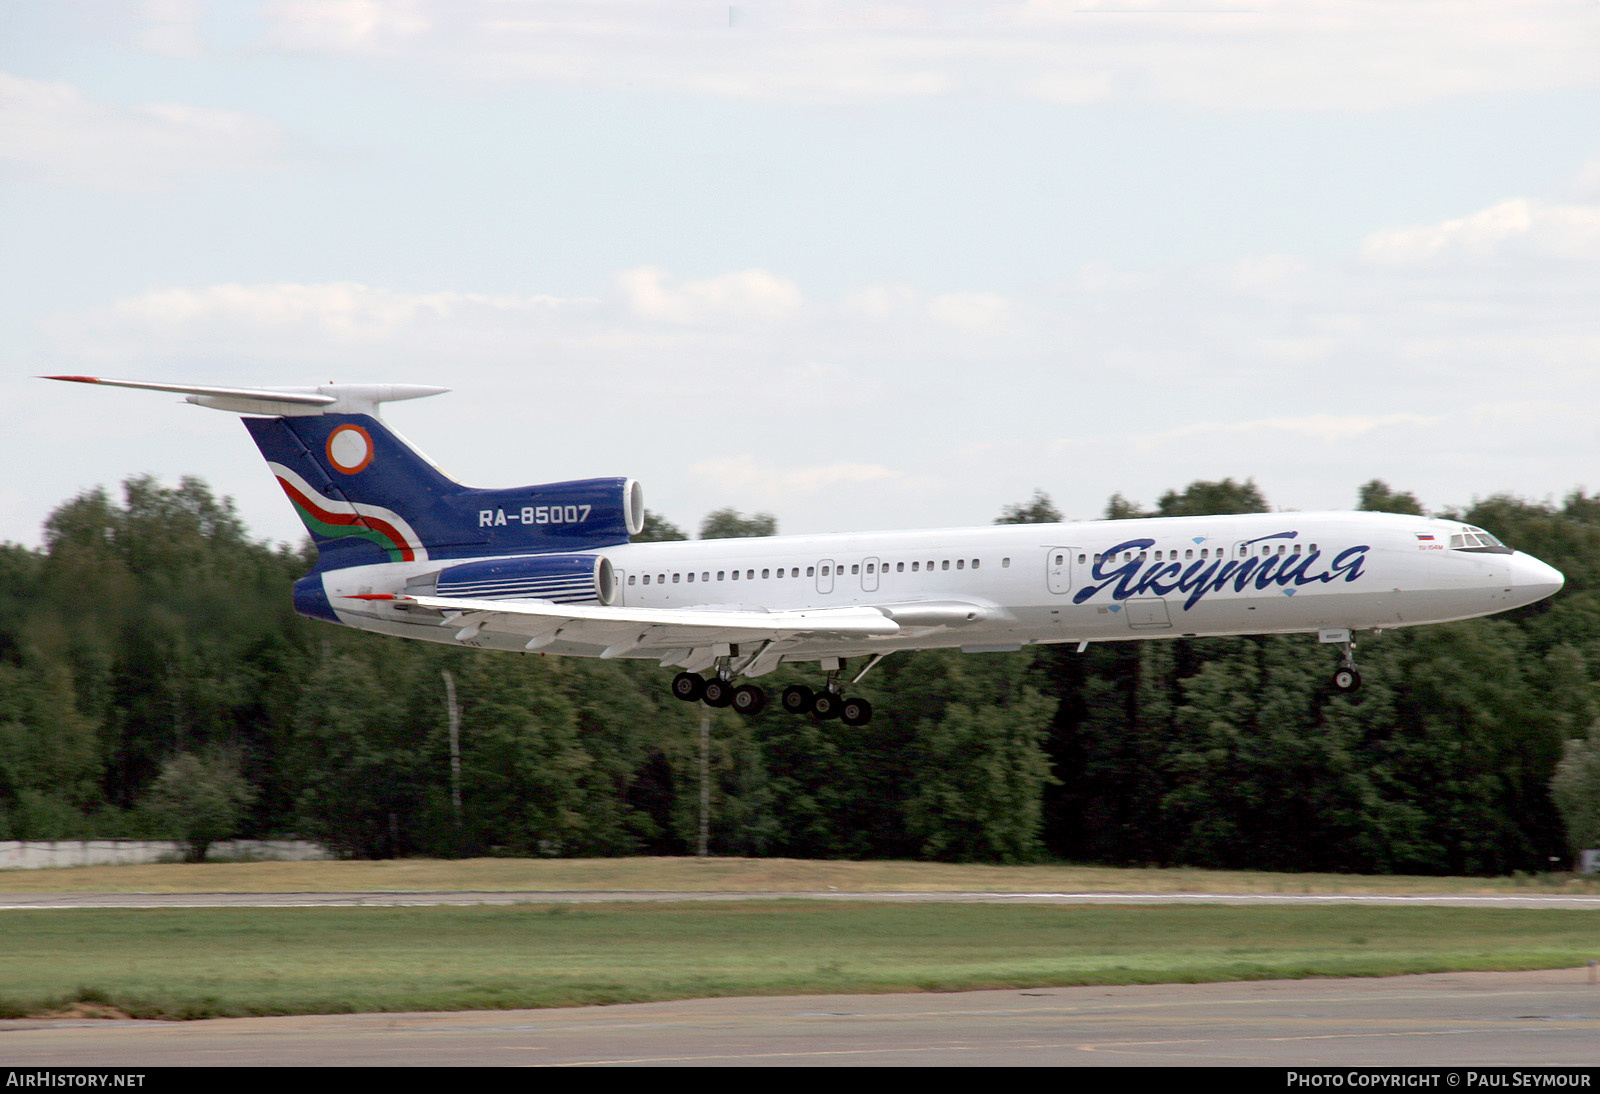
column 1037, row 510
column 1202, row 499
column 731, row 524
column 1120, row 508
column 154, row 628
column 203, row 796
column 658, row 529
column 1376, row 497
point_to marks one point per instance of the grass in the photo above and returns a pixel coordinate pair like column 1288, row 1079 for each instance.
column 745, row 875
column 192, row 963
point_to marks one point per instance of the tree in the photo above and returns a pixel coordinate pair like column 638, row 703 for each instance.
column 980, row 793
column 1376, row 497
column 203, row 796
column 1038, row 510
column 1120, row 508
column 658, row 529
column 731, row 524
column 1209, row 499
column 1576, row 789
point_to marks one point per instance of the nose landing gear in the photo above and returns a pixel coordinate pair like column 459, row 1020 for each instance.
column 1345, row 677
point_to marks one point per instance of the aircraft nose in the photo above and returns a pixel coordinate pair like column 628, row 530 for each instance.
column 1534, row 580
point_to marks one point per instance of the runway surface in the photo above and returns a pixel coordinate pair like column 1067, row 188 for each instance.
column 1451, row 1021
column 12, row 901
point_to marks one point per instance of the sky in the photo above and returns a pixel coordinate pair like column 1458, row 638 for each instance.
column 859, row 265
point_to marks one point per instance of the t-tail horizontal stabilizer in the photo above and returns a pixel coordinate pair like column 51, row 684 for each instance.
column 291, row 402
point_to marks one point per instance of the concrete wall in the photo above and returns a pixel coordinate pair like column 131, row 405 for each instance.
column 42, row 854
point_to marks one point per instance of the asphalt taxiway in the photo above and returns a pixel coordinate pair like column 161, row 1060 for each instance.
column 1450, row 1021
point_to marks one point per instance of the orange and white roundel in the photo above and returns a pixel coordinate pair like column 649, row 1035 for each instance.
column 350, row 449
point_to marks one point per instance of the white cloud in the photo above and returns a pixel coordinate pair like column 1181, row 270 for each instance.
column 1519, row 229
column 340, row 26
column 1327, row 428
column 746, row 295
column 341, row 310
column 54, row 131
column 1273, row 54
column 171, row 27
column 970, row 310
column 744, row 475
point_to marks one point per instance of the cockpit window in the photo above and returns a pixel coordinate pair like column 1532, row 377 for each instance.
column 1477, row 541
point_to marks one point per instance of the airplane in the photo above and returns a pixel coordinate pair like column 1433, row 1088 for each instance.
column 403, row 549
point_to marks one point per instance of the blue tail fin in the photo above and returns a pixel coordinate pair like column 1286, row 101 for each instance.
column 367, row 496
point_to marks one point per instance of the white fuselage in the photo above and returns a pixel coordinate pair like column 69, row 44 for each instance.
column 1008, row 586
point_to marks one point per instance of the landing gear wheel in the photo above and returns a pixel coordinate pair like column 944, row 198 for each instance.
column 827, row 705
column 855, row 712
column 688, row 686
column 749, row 699
column 718, row 693
column 1346, row 680
column 798, row 699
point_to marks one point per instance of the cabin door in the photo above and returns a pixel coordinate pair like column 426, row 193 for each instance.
column 1059, row 563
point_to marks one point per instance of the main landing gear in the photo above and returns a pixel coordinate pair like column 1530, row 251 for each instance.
column 826, row 704
column 717, row 692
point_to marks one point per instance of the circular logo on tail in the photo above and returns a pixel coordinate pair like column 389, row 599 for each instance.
column 350, row 449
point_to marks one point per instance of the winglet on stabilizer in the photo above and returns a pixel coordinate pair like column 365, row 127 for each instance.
column 284, row 402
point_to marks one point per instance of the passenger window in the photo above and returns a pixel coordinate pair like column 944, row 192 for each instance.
column 1005, row 563
column 706, row 576
column 871, row 569
column 647, row 579
column 750, row 575
column 1060, row 559
column 722, row 575
column 899, row 567
column 631, row 578
column 945, row 565
column 855, row 567
column 811, row 571
column 675, row 578
column 975, row 563
column 736, row 575
column 691, row 577
column 961, row 564
column 766, row 574
column 916, row 566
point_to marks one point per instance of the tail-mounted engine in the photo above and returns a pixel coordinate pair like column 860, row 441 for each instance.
column 565, row 579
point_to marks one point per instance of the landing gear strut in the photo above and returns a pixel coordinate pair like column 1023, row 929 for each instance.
column 1345, row 677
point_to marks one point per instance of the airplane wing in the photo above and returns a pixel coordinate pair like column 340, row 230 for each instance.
column 623, row 630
